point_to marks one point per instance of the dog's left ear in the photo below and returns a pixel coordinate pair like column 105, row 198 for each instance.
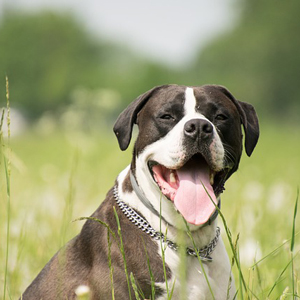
column 251, row 127
column 249, row 120
column 124, row 124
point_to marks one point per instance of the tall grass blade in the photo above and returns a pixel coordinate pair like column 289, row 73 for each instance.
column 1, row 123
column 231, row 267
column 123, row 252
column 182, row 264
column 172, row 290
column 280, row 275
column 164, row 246
column 134, row 286
column 111, row 269
column 293, row 244
column 7, row 167
column 272, row 252
column 152, row 281
column 163, row 249
column 99, row 221
column 294, row 222
column 7, row 107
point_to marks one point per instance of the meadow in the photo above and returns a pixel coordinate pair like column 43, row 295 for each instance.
column 48, row 178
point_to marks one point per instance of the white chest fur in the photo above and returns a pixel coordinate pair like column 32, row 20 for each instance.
column 192, row 281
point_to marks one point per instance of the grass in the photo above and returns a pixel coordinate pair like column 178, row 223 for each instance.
column 49, row 179
column 7, row 169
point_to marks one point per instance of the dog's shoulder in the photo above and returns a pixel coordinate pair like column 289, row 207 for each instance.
column 109, row 236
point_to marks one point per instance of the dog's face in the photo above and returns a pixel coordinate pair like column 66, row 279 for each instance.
column 189, row 143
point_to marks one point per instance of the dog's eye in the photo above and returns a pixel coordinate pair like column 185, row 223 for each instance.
column 221, row 117
column 166, row 117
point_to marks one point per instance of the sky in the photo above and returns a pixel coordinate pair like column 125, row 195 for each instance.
column 169, row 31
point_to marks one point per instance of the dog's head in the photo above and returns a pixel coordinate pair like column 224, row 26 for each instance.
column 189, row 144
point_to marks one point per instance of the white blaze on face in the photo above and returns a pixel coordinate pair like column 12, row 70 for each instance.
column 190, row 102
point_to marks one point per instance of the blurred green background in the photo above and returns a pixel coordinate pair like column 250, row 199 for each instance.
column 67, row 85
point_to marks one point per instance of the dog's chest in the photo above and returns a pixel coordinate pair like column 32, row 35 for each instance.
column 187, row 281
column 192, row 281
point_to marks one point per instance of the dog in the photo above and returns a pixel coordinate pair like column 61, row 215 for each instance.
column 158, row 224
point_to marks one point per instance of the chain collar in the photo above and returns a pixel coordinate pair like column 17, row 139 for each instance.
column 204, row 253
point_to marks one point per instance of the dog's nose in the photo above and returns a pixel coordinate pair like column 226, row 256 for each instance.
column 198, row 128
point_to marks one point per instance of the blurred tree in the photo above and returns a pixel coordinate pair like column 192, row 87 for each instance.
column 45, row 55
column 259, row 59
column 48, row 55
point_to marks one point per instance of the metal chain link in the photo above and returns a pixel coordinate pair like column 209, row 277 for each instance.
column 140, row 222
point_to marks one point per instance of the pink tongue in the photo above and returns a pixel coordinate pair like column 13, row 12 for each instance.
column 191, row 199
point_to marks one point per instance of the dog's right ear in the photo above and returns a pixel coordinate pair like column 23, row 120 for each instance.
column 124, row 124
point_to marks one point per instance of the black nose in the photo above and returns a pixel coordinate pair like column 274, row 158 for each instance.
column 198, row 128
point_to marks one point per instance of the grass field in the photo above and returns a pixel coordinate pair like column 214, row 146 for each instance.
column 59, row 176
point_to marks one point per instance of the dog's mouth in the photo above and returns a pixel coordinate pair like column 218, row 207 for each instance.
column 193, row 188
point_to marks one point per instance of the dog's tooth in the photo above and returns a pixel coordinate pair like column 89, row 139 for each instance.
column 172, row 177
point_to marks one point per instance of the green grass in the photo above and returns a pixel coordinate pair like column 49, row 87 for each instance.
column 7, row 171
column 58, row 177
